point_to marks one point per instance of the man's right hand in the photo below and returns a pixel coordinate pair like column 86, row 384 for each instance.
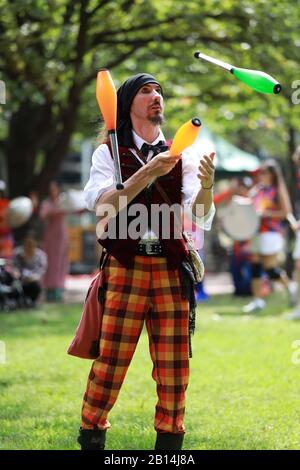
column 161, row 164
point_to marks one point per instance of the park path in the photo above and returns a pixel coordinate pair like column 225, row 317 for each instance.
column 77, row 286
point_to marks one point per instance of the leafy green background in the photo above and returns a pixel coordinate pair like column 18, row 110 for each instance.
column 50, row 53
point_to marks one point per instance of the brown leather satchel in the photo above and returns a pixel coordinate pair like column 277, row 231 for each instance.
column 85, row 343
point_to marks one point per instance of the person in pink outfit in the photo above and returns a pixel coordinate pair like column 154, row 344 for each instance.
column 55, row 245
column 6, row 233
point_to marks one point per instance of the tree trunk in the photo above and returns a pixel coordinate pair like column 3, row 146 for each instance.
column 292, row 188
column 56, row 153
column 292, row 177
column 21, row 149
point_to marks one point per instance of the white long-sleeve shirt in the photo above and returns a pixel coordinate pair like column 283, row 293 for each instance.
column 102, row 178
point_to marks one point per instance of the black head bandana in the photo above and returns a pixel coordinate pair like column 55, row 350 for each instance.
column 125, row 94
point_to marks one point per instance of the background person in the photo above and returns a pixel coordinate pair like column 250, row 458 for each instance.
column 272, row 202
column 55, row 245
column 6, row 233
column 31, row 263
column 239, row 260
column 240, row 265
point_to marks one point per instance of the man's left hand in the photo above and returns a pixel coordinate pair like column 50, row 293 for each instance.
column 207, row 171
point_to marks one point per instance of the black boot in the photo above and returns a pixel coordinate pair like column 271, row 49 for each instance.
column 169, row 441
column 92, row 439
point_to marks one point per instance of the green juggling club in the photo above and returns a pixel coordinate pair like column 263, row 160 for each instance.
column 259, row 81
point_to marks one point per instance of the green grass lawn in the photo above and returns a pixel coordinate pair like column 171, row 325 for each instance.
column 243, row 392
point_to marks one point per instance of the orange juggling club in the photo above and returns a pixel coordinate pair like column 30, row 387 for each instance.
column 185, row 136
column 107, row 100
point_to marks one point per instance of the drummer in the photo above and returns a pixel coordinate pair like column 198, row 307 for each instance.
column 272, row 203
column 239, row 258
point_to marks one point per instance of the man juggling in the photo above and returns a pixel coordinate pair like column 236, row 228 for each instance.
column 146, row 276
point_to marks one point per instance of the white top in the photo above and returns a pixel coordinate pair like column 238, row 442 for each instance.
column 102, row 178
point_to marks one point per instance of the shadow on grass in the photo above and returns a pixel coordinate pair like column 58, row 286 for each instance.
column 44, row 321
column 62, row 320
column 49, row 320
column 228, row 305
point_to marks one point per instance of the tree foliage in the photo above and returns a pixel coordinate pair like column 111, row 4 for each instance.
column 51, row 51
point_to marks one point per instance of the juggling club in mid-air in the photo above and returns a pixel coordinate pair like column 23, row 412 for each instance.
column 185, row 136
column 255, row 79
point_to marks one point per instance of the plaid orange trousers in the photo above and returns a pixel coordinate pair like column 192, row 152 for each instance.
column 152, row 293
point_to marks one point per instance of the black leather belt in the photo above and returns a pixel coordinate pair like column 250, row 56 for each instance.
column 150, row 248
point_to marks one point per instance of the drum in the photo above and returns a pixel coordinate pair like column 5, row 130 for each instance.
column 19, row 211
column 239, row 219
column 72, row 201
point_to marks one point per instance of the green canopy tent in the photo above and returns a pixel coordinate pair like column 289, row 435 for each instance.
column 230, row 160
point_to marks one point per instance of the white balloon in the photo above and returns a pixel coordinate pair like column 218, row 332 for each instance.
column 19, row 211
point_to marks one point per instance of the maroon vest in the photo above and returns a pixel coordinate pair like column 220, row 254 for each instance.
column 124, row 250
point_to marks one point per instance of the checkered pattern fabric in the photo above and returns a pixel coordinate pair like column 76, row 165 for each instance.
column 152, row 293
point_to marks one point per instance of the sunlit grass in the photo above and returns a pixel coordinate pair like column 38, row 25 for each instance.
column 243, row 392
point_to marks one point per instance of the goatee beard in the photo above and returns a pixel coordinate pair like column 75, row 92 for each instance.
column 158, row 119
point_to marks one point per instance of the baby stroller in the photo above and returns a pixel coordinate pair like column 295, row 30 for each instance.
column 11, row 291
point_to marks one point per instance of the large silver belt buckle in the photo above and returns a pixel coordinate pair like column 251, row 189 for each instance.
column 149, row 248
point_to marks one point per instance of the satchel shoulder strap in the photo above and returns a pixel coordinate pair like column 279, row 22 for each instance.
column 103, row 259
column 162, row 192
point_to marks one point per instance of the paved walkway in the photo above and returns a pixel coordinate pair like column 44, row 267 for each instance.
column 77, row 286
